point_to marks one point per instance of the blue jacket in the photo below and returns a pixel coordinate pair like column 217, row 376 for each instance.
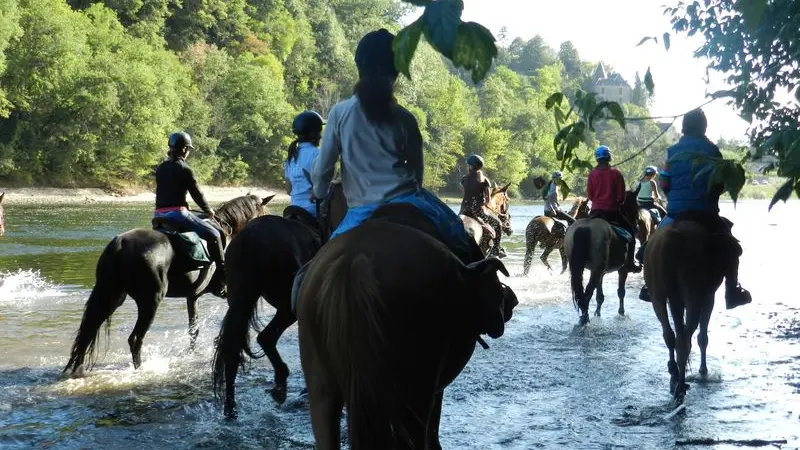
column 301, row 184
column 684, row 192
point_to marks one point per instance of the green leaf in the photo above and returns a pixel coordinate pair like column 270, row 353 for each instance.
column 617, row 113
column 441, row 21
column 784, row 192
column 666, row 41
column 564, row 188
column 404, row 45
column 752, row 12
column 723, row 93
column 647, row 38
column 560, row 117
column 419, row 2
column 734, row 180
column 648, row 82
column 554, row 99
column 474, row 50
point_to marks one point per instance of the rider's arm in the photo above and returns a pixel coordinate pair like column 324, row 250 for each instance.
column 487, row 193
column 665, row 177
column 194, row 191
column 322, row 170
column 415, row 155
column 590, row 186
column 654, row 188
column 620, row 187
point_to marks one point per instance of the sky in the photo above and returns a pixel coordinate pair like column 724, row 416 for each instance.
column 608, row 31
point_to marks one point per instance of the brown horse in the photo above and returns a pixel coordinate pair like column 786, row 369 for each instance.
column 683, row 271
column 386, row 346
column 549, row 234
column 475, row 227
column 2, row 215
column 594, row 244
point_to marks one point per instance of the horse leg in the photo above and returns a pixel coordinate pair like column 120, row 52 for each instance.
column 147, row 306
column 268, row 340
column 433, row 423
column 623, row 277
column 191, row 307
column 599, row 297
column 415, row 420
column 681, row 347
column 325, row 401
column 530, row 247
column 702, row 338
column 544, row 256
column 563, row 254
column 659, row 301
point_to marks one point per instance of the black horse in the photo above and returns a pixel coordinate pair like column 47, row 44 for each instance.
column 262, row 262
column 143, row 264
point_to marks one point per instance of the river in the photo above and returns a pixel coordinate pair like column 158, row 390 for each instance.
column 545, row 384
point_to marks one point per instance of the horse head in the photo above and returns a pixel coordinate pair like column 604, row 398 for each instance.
column 496, row 301
column 2, row 215
column 234, row 214
column 501, row 200
column 580, row 209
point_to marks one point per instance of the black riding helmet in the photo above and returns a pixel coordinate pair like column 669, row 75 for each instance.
column 475, row 161
column 179, row 140
column 307, row 123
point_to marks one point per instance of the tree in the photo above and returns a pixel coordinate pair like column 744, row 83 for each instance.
column 569, row 57
column 639, row 96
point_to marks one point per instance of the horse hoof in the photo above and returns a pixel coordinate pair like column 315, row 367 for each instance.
column 278, row 394
column 583, row 320
column 703, row 372
column 621, row 312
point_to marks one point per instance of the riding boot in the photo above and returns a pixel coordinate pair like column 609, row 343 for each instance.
column 630, row 263
column 735, row 294
column 217, row 253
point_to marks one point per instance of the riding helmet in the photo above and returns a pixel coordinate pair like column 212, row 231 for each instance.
column 602, row 152
column 557, row 174
column 650, row 170
column 307, row 122
column 475, row 161
column 179, row 140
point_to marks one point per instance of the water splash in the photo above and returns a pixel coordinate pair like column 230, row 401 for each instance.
column 26, row 285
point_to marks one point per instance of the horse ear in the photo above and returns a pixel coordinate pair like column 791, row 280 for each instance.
column 488, row 266
column 505, row 188
column 267, row 199
column 248, row 193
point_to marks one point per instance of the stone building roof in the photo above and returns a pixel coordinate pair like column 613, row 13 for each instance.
column 603, row 78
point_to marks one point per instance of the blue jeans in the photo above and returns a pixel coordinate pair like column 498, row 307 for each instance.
column 189, row 221
column 447, row 222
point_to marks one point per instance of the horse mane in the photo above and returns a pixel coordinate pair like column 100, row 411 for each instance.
column 579, row 201
column 240, row 210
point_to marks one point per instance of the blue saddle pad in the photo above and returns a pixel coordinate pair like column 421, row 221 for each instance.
column 655, row 214
column 190, row 246
column 622, row 233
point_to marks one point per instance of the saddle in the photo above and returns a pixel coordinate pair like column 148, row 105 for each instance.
column 298, row 214
column 655, row 214
column 623, row 234
column 191, row 249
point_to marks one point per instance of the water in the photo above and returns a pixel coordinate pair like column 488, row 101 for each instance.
column 545, row 384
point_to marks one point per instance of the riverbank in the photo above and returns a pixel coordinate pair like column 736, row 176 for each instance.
column 44, row 195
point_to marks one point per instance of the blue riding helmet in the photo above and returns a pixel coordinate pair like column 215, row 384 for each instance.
column 650, row 170
column 556, row 174
column 602, row 152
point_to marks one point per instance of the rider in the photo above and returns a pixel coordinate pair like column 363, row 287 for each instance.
column 380, row 146
column 173, row 179
column 647, row 192
column 551, row 206
column 606, row 190
column 688, row 196
column 307, row 126
column 477, row 191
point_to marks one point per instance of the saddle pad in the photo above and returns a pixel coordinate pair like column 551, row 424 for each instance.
column 190, row 246
column 655, row 214
column 622, row 233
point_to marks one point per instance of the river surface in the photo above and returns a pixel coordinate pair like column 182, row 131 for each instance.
column 545, row 384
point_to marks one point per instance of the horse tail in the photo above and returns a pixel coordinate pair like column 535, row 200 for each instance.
column 355, row 318
column 233, row 343
column 577, row 261
column 107, row 295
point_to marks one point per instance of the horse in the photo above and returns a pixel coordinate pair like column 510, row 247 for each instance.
column 482, row 232
column 683, row 270
column 646, row 224
column 595, row 245
column 262, row 262
column 388, row 317
column 2, row 215
column 549, row 234
column 143, row 264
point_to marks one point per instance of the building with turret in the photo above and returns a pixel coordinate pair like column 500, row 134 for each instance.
column 610, row 85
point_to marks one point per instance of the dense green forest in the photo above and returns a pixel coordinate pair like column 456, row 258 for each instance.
column 90, row 91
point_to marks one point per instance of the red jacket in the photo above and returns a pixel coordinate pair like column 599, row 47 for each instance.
column 606, row 189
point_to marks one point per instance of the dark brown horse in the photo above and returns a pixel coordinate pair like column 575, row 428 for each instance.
column 683, row 271
column 143, row 264
column 595, row 245
column 2, row 215
column 475, row 228
column 261, row 263
column 550, row 234
column 388, row 317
